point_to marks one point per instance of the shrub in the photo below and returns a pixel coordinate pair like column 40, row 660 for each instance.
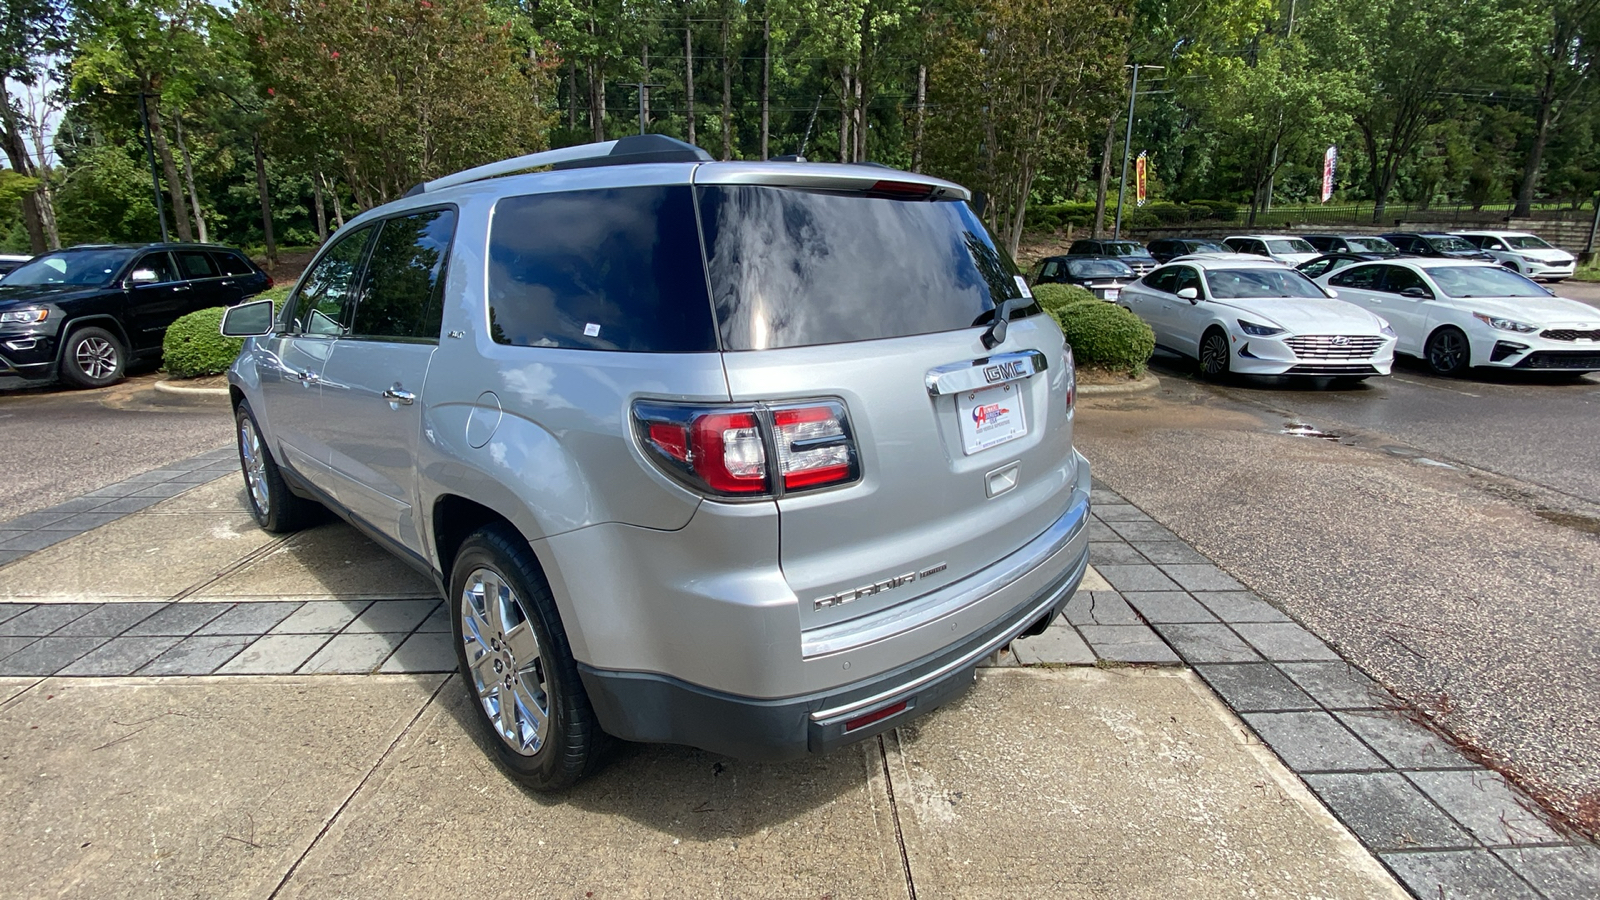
column 194, row 345
column 1106, row 336
column 1058, row 296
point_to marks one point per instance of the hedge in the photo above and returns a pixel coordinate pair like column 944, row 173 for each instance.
column 194, row 345
column 1106, row 336
column 1057, row 296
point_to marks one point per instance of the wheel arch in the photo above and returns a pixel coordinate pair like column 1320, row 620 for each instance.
column 453, row 518
column 93, row 320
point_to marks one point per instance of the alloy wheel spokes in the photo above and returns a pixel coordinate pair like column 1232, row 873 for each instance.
column 255, row 465
column 96, row 357
column 504, row 658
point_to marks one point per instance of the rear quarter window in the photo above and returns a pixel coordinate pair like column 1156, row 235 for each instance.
column 613, row 269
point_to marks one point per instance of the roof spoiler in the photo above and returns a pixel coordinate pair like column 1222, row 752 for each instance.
column 634, row 149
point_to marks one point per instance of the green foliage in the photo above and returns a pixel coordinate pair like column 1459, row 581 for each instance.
column 1060, row 296
column 194, row 345
column 1106, row 336
column 1079, row 214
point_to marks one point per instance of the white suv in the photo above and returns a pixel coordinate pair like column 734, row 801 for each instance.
column 1522, row 252
column 762, row 458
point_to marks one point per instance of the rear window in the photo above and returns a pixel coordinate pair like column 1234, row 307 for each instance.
column 1099, row 268
column 795, row 268
column 616, row 269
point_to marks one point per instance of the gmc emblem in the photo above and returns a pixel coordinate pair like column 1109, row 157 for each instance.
column 1004, row 372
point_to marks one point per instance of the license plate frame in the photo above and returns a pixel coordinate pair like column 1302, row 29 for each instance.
column 991, row 416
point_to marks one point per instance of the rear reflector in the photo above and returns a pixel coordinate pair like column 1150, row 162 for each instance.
column 877, row 715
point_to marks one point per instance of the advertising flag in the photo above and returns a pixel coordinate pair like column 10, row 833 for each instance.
column 1329, row 159
column 1142, row 168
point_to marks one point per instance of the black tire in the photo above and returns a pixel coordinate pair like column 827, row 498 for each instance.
column 274, row 507
column 93, row 358
column 497, row 589
column 1215, row 355
column 1447, row 352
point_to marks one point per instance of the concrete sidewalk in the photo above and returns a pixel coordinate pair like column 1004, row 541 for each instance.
column 1063, row 783
column 1111, row 778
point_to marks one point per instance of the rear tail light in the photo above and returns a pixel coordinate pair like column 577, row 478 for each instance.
column 752, row 451
column 1072, row 381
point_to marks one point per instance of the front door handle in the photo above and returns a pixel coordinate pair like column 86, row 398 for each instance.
column 308, row 378
column 395, row 395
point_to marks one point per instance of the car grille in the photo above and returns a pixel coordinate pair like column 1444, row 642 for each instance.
column 1324, row 346
column 1332, row 369
column 1561, row 359
column 1569, row 334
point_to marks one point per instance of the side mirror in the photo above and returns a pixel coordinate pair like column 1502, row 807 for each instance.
column 142, row 276
column 1332, row 294
column 248, row 319
column 1190, row 294
column 1416, row 293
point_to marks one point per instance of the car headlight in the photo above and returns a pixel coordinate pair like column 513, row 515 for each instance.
column 1530, row 258
column 24, row 316
column 1255, row 330
column 1505, row 324
column 1385, row 328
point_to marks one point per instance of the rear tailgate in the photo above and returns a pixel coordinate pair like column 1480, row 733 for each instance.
column 965, row 453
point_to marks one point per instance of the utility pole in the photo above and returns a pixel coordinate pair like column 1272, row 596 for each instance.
column 150, row 153
column 1127, row 142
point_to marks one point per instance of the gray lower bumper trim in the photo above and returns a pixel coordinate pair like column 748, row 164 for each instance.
column 655, row 708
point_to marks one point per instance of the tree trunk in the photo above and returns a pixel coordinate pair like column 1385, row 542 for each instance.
column 921, row 117
column 329, row 188
column 572, row 94
column 766, row 83
column 266, row 200
column 727, row 94
column 1541, row 135
column 316, row 199
column 644, row 89
column 845, row 93
column 1099, row 226
column 688, row 76
column 158, row 134
column 597, row 101
column 17, row 153
column 188, row 178
column 860, row 124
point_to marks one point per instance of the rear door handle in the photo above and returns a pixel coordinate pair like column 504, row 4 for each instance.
column 308, row 377
column 395, row 395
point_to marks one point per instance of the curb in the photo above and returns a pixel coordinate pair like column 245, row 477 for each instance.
column 166, row 386
column 1145, row 382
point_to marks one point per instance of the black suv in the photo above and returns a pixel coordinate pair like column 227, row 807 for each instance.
column 85, row 312
column 1129, row 252
column 1166, row 250
column 1428, row 243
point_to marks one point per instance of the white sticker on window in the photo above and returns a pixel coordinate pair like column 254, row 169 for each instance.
column 1022, row 285
column 591, row 330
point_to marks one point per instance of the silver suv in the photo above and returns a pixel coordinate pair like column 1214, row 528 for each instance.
column 734, row 455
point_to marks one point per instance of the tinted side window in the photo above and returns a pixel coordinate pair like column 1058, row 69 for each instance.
column 319, row 308
column 1404, row 242
column 1399, row 278
column 1051, row 270
column 1366, row 278
column 616, row 269
column 196, row 264
column 401, row 296
column 1162, row 280
column 1317, row 268
column 1187, row 277
column 232, row 263
column 1084, row 247
column 159, row 263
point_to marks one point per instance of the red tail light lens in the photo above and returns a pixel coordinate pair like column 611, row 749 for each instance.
column 1072, row 381
column 723, row 450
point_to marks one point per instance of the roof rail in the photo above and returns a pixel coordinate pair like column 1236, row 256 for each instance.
column 638, row 148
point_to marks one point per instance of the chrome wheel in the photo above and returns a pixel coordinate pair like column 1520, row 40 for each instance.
column 504, row 658
column 255, row 466
column 96, row 357
column 1214, row 354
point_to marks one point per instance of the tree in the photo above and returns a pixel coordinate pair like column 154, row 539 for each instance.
column 398, row 91
column 1022, row 80
column 1274, row 111
column 29, row 33
column 1564, row 56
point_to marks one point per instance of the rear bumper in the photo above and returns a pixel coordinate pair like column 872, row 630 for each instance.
column 656, row 708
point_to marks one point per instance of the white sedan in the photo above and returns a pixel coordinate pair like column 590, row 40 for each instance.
column 1258, row 317
column 1456, row 315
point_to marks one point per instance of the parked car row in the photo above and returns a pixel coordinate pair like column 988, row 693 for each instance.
column 85, row 313
column 1240, row 313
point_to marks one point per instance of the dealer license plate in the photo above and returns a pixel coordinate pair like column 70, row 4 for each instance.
column 1108, row 293
column 990, row 417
